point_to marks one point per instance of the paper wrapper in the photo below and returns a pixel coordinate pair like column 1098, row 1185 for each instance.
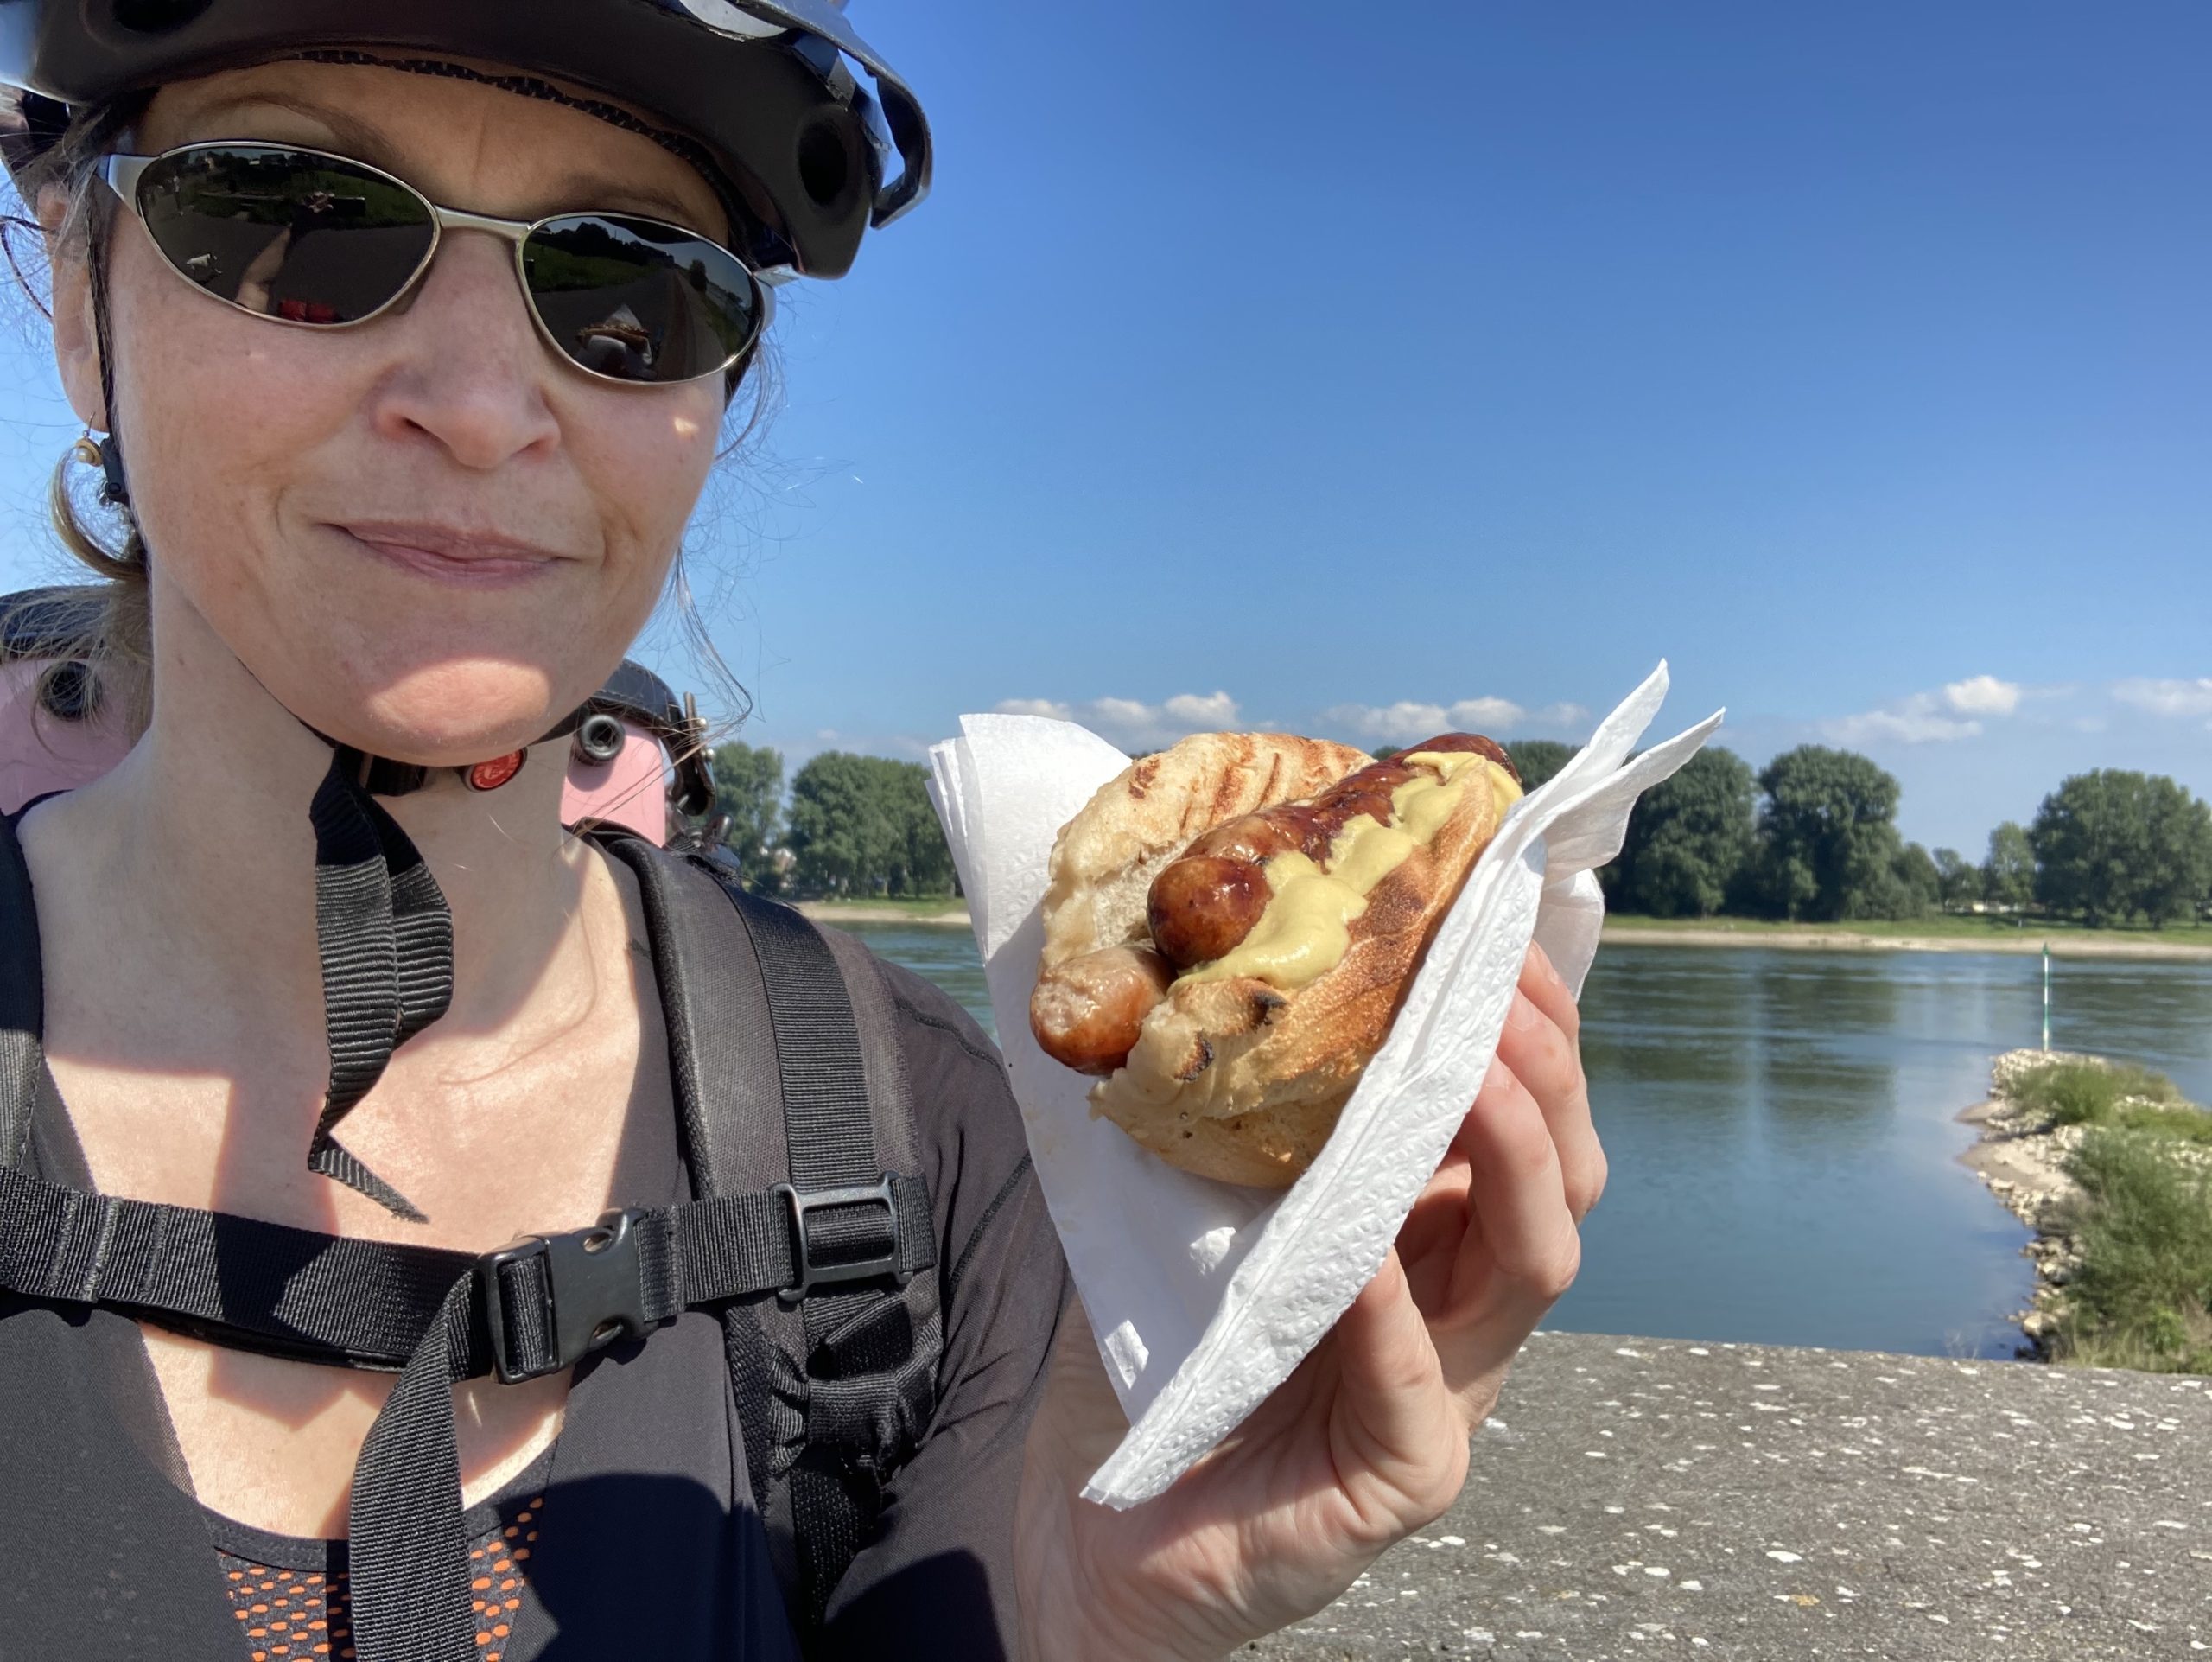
column 1205, row 1295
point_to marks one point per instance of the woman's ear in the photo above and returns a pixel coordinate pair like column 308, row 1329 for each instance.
column 76, row 341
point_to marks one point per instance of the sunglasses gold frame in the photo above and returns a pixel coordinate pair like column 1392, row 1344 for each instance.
column 122, row 174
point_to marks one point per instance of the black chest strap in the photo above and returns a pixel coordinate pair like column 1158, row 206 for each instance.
column 532, row 1308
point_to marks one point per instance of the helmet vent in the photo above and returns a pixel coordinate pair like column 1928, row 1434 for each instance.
column 156, row 16
column 824, row 165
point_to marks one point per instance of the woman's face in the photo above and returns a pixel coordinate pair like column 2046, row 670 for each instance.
column 427, row 536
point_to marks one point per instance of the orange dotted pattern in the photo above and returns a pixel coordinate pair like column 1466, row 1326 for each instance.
column 285, row 1616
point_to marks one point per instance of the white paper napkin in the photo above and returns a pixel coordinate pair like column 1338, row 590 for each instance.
column 1205, row 1295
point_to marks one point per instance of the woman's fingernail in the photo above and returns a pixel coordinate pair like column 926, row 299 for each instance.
column 1540, row 962
column 1521, row 1015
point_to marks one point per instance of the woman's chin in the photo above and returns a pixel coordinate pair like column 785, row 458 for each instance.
column 457, row 714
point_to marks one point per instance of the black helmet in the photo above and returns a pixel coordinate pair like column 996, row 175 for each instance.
column 763, row 86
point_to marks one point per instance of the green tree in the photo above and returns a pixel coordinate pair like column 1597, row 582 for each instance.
column 1958, row 881
column 924, row 860
column 749, row 790
column 1827, row 834
column 2114, row 844
column 2177, row 884
column 1537, row 759
column 1916, row 885
column 843, row 832
column 1688, row 840
column 2008, row 875
column 863, row 825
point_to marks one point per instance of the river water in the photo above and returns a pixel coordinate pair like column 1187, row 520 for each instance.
column 1783, row 1136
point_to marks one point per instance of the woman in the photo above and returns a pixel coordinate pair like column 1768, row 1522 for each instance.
column 379, row 557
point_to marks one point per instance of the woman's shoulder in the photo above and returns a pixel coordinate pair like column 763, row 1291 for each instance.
column 929, row 1017
column 974, row 1149
column 955, row 1074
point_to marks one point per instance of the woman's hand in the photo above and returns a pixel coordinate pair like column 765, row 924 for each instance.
column 1368, row 1440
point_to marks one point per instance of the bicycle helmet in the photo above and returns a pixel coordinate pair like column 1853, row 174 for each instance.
column 765, row 89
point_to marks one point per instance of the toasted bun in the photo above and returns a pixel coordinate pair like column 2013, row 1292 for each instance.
column 1235, row 1080
column 1106, row 857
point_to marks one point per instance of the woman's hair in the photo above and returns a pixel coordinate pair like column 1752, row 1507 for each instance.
column 119, row 636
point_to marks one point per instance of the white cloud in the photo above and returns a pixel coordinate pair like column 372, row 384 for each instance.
column 1134, row 725
column 1911, row 722
column 1941, row 717
column 1401, row 724
column 1406, row 721
column 2167, row 698
column 1983, row 695
column 1205, row 712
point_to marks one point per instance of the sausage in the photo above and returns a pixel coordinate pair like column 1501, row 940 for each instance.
column 1491, row 750
column 1252, row 837
column 1206, row 899
column 1086, row 1012
column 1202, row 905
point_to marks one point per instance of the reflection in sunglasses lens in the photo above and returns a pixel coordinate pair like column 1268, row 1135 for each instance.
column 286, row 234
column 639, row 300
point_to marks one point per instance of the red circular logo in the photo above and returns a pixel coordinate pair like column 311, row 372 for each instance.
column 489, row 775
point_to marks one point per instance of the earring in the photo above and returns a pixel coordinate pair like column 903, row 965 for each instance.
column 105, row 453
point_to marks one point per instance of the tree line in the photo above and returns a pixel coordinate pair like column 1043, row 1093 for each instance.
column 1810, row 837
column 852, row 826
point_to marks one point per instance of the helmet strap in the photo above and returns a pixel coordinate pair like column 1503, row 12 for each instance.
column 115, row 489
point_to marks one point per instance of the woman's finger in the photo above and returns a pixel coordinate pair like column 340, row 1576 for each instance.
column 1522, row 1249
column 1548, row 990
column 1399, row 1450
column 1544, row 1057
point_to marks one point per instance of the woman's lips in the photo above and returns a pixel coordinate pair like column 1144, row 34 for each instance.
column 470, row 558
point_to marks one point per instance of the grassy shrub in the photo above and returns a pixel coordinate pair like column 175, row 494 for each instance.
column 2066, row 1092
column 2142, row 1297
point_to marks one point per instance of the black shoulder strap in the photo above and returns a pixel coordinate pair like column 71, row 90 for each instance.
column 23, row 998
column 787, row 1071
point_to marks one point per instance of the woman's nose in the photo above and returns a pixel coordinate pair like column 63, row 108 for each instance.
column 473, row 369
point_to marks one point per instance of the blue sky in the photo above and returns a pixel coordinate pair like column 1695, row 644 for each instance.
column 1271, row 365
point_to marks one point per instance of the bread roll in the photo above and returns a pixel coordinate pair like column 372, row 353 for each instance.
column 1240, row 1070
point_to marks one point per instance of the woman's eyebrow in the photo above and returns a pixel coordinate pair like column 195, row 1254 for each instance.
column 356, row 137
column 589, row 190
column 576, row 192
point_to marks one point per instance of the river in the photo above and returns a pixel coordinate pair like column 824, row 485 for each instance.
column 1781, row 1130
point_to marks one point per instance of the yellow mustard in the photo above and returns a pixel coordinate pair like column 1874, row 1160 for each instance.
column 1306, row 930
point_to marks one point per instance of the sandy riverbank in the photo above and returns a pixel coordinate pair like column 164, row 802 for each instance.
column 956, row 917
column 1800, row 940
column 1835, row 940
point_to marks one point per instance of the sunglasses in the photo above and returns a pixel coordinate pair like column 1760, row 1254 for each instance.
column 321, row 241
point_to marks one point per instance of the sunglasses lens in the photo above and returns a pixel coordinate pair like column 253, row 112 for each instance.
column 635, row 300
column 286, row 233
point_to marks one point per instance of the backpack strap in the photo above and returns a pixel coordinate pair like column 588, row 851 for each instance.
column 789, row 1076
column 784, row 1250
column 23, row 997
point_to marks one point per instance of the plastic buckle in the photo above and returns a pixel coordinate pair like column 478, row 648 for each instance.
column 591, row 1293
column 812, row 1274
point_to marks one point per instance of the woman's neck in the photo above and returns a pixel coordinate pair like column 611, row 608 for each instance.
column 199, row 845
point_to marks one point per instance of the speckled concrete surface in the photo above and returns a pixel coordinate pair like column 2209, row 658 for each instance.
column 1646, row 1498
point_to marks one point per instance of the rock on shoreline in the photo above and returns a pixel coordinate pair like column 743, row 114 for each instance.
column 2022, row 1159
